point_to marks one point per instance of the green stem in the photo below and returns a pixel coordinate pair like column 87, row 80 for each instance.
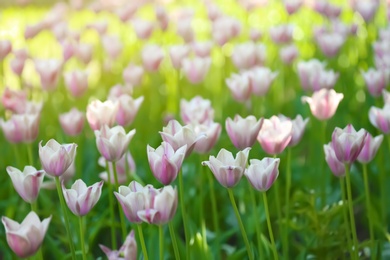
column 29, row 154
column 121, row 216
column 62, row 202
column 111, row 205
column 201, row 211
column 213, row 204
column 368, row 205
column 271, row 234
column 257, row 220
column 324, row 176
column 161, row 240
column 183, row 213
column 174, row 243
column 82, row 238
column 288, row 188
column 142, row 240
column 34, row 208
column 351, row 213
column 345, row 213
column 243, row 233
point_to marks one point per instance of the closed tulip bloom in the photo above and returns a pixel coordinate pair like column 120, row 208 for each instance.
column 380, row 118
column 260, row 80
column 347, row 143
column 112, row 143
column 17, row 64
column 32, row 30
column 101, row 113
column 337, row 167
column 197, row 110
column 227, row 169
column 323, row 103
column 248, row 55
column 80, row 198
column 56, row 158
column 255, row 34
column 298, row 128
column 84, row 52
column 49, row 71
column 177, row 53
column 25, row 238
column 330, row 43
column 152, row 56
column 5, row 49
column 196, row 69
column 307, row 70
column 72, row 122
column 370, row 148
column 133, row 74
column 292, row 6
column 212, row 131
column 165, row 162
column 366, row 8
column 177, row 136
column 202, row 49
column 99, row 26
column 281, row 34
column 263, row 173
column 112, row 45
column 239, row 85
column 128, row 251
column 185, row 30
column 275, row 135
column 76, row 82
column 162, row 17
column 119, row 90
column 243, row 131
column 127, row 109
column 143, row 29
column 376, row 81
column 21, row 128
column 26, row 183
column 288, row 54
column 225, row 28
column 14, row 100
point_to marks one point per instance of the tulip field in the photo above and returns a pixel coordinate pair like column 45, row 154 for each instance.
column 247, row 129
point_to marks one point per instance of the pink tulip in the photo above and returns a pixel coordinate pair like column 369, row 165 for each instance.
column 202, row 49
column 323, row 103
column 248, row 55
column 260, row 80
column 177, row 54
column 101, row 113
column 128, row 251
column 69, row 49
column 56, row 158
column 32, row 30
column 118, row 90
column 25, row 238
column 308, row 70
column 152, row 56
column 366, row 8
column 212, row 131
column 177, row 136
column 337, row 167
column 14, row 100
column 165, row 162
column 370, row 148
column 288, row 54
column 127, row 109
column 77, row 82
column 143, row 28
column 380, row 118
column 243, row 131
column 50, row 184
column 185, row 30
column 80, row 198
column 113, row 143
column 49, row 71
column 330, row 43
column 5, row 49
column 213, row 11
column 239, row 85
column 72, row 122
column 99, row 26
column 225, row 28
column 347, row 143
column 162, row 17
column 386, row 96
column 227, row 169
column 263, row 173
column 197, row 110
column 31, row 108
column 292, row 6
column 275, row 135
column 133, row 74
column 112, row 45
column 255, row 34
column 21, row 128
column 196, row 69
column 124, row 164
column 84, row 52
column 281, row 34
column 298, row 128
column 26, row 183
column 126, row 11
column 17, row 64
column 376, row 81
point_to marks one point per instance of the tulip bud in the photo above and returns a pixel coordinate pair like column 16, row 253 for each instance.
column 263, row 173
column 275, row 135
column 26, row 183
column 243, row 131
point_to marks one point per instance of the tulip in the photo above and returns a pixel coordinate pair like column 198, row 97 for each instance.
column 17, row 64
column 281, row 34
column 68, row 49
column 263, row 173
column 365, row 8
column 77, row 82
column 323, row 103
column 112, row 45
column 370, row 148
column 126, row 11
column 307, row 70
column 56, row 158
column 239, row 85
column 177, row 54
column 376, row 81
column 347, row 143
column 65, row 178
column 99, row 26
column 337, row 167
column 292, row 6
column 32, row 30
column 275, row 135
column 127, row 109
column 123, row 164
column 31, row 108
column 14, row 100
column 225, row 28
column 5, row 49
column 288, row 54
column 248, row 55
column 162, row 17
column 26, row 183
column 330, row 43
column 152, row 56
column 49, row 71
column 133, row 74
column 243, row 131
column 202, row 49
column 84, row 52
column 72, row 122
column 212, row 131
column 197, row 110
column 213, row 11
column 260, row 80
column 227, row 169
column 25, row 238
column 143, row 29
column 255, row 34
column 101, row 113
column 380, row 118
column 21, row 128
column 177, row 136
column 165, row 162
column 128, row 251
column 298, row 128
column 196, row 69
column 185, row 30
column 80, row 198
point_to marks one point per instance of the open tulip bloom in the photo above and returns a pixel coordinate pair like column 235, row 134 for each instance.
column 263, row 173
column 26, row 183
